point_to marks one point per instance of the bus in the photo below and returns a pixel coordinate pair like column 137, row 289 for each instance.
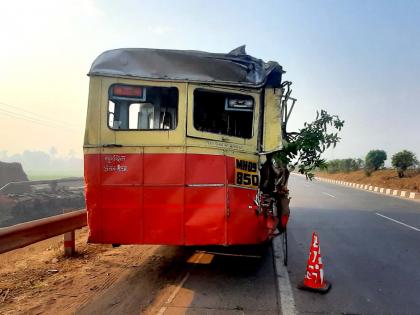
column 175, row 146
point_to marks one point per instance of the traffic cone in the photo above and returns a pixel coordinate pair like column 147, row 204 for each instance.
column 314, row 278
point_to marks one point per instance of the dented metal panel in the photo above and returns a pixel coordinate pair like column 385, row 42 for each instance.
column 199, row 203
column 272, row 135
column 234, row 68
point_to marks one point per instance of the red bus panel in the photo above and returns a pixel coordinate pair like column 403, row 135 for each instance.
column 180, row 199
column 163, row 215
column 205, row 215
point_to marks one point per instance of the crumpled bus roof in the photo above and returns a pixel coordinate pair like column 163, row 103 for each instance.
column 234, row 68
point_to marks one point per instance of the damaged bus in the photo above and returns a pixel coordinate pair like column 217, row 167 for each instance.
column 178, row 147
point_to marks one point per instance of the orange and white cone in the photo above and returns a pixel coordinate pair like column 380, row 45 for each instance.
column 314, row 278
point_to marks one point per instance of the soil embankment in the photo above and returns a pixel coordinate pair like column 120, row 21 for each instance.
column 22, row 203
column 38, row 280
column 381, row 178
column 12, row 172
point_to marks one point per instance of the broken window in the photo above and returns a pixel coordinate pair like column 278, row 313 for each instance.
column 142, row 108
column 223, row 113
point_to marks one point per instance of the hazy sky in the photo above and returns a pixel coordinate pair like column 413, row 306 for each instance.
column 359, row 59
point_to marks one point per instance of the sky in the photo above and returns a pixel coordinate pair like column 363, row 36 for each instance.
column 357, row 59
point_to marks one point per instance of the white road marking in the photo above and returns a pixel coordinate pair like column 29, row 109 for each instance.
column 402, row 223
column 287, row 302
column 178, row 288
column 329, row 195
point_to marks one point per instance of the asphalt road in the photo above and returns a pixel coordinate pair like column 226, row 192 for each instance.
column 370, row 245
column 177, row 280
column 218, row 284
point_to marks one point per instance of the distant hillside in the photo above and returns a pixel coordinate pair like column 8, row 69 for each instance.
column 41, row 165
column 11, row 172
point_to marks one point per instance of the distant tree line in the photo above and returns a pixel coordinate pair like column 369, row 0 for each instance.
column 344, row 165
column 374, row 160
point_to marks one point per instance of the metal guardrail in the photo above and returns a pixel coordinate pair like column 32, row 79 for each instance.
column 52, row 182
column 28, row 233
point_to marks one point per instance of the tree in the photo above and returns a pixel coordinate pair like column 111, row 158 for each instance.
column 333, row 166
column 303, row 149
column 344, row 165
column 360, row 163
column 374, row 160
column 403, row 160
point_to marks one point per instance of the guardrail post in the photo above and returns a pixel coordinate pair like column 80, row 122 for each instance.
column 69, row 243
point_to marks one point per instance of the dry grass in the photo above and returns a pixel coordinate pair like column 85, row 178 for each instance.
column 381, row 178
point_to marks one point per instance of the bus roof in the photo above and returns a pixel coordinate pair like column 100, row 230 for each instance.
column 234, row 68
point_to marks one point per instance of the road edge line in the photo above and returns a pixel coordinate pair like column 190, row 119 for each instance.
column 399, row 222
column 284, row 288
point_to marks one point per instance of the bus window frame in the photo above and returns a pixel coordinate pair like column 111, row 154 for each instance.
column 134, row 137
column 193, row 132
column 140, row 102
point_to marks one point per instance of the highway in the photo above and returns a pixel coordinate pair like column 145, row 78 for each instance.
column 371, row 252
column 370, row 245
column 188, row 281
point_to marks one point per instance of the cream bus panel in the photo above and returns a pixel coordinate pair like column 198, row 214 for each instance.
column 92, row 130
column 272, row 135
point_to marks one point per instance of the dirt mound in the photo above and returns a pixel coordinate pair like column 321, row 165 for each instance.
column 381, row 178
column 11, row 172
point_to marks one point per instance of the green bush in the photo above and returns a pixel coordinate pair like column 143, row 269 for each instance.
column 375, row 159
column 404, row 160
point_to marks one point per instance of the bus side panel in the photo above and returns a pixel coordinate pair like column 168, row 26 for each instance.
column 164, row 169
column 244, row 225
column 163, row 215
column 122, row 194
column 93, row 196
column 205, row 215
column 230, row 170
column 205, row 169
column 164, row 179
column 122, row 215
column 121, row 169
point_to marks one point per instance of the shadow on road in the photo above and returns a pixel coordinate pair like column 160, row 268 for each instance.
column 214, row 284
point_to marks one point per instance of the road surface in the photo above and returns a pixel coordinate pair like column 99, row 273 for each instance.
column 195, row 283
column 370, row 245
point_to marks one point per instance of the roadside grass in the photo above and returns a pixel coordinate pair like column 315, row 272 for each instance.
column 387, row 178
column 36, row 175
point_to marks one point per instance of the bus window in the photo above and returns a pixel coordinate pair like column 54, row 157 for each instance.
column 223, row 113
column 142, row 108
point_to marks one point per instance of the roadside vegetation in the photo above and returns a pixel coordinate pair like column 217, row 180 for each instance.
column 404, row 174
column 404, row 160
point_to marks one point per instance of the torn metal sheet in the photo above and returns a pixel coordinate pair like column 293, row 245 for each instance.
column 234, row 68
